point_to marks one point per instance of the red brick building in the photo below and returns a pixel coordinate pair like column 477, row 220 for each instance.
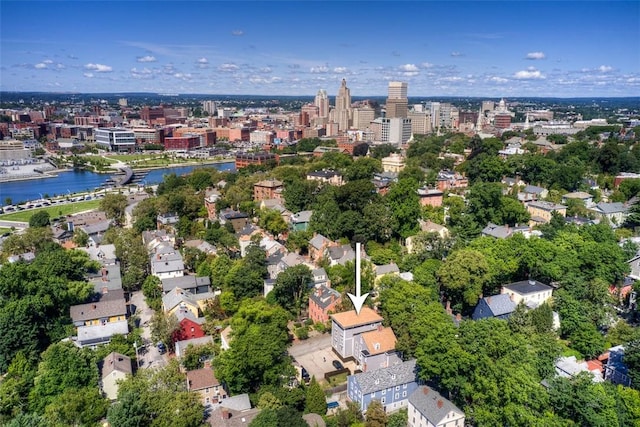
column 267, row 189
column 263, row 158
column 186, row 143
column 323, row 302
column 190, row 326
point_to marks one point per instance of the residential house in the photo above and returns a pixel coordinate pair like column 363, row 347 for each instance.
column 634, row 265
column 276, row 205
column 531, row 292
column 167, row 221
column 427, row 408
column 98, row 321
column 505, row 231
column 376, row 349
column 204, row 382
column 616, row 213
column 499, row 306
column 340, row 255
column 268, row 189
column 386, row 269
column 96, row 230
column 568, row 367
column 181, row 346
column 104, row 254
column 237, row 219
column 542, row 212
column 615, row 370
column 449, row 180
column 225, row 338
column 154, row 238
column 167, row 264
column 234, row 411
column 430, row 197
column 585, row 198
column 322, row 302
column 193, row 284
column 179, row 299
column 202, row 246
column 211, row 198
column 326, row 176
column 513, row 182
column 381, row 184
column 393, row 163
column 345, row 327
column 320, row 277
column 113, row 368
column 317, row 246
column 391, row 386
column 532, row 193
column 107, row 279
column 300, row 220
column 190, row 326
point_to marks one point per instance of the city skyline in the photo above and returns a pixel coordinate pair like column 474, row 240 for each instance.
column 490, row 49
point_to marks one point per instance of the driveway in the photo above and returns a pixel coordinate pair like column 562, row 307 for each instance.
column 315, row 354
column 148, row 354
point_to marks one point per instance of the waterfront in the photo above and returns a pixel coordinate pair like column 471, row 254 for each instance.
column 75, row 181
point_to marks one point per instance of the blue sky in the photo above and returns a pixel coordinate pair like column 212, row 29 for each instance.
column 473, row 48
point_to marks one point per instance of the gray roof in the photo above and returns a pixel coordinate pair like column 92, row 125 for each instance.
column 547, row 206
column 101, row 333
column 500, row 304
column 318, row 241
column 323, row 296
column 185, row 282
column 177, row 296
column 107, row 277
column 378, row 379
column 239, row 402
column 387, row 269
column 497, row 231
column 181, row 346
column 116, row 362
column 326, row 174
column 533, row 189
column 528, row 287
column 302, row 216
column 164, row 263
column 432, row 405
column 609, row 208
column 342, row 254
column 98, row 227
column 98, row 310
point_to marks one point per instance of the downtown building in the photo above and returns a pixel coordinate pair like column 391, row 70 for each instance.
column 115, row 139
column 397, row 100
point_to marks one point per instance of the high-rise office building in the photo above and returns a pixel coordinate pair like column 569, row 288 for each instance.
column 210, row 107
column 322, row 102
column 362, row 117
column 397, row 100
column 342, row 111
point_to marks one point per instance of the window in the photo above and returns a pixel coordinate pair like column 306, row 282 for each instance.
column 397, row 387
column 397, row 396
column 384, row 392
column 373, row 395
column 383, row 400
column 404, row 385
column 206, row 390
column 404, row 394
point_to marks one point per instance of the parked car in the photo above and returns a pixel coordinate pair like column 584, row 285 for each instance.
column 336, row 364
column 305, row 375
column 162, row 348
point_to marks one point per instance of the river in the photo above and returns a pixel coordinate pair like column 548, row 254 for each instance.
column 80, row 181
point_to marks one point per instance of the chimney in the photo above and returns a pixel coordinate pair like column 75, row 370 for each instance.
column 440, row 403
column 319, row 292
column 207, row 364
column 379, row 328
column 425, row 390
column 511, row 297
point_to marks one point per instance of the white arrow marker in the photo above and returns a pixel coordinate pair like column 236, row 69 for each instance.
column 358, row 299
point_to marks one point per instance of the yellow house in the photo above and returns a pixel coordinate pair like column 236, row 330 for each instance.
column 99, row 312
column 542, row 212
column 178, row 299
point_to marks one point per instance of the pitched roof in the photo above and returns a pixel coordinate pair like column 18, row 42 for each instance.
column 318, row 241
column 609, row 208
column 102, row 333
column 201, row 378
column 185, row 282
column 98, row 310
column 323, row 296
column 500, row 304
column 525, row 287
column 181, row 346
column 116, row 362
column 533, row 189
column 387, row 269
column 378, row 379
column 432, row 405
column 497, row 231
column 547, row 206
column 380, row 340
column 302, row 216
column 349, row 319
column 577, row 195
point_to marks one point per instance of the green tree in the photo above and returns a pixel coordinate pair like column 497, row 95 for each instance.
column 375, row 415
column 163, row 327
column 39, row 219
column 114, row 206
column 271, row 220
column 398, row 419
column 84, row 406
column 152, row 291
column 315, row 401
column 405, row 205
column 283, row 416
column 464, row 275
column 291, row 286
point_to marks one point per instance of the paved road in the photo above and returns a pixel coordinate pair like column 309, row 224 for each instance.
column 149, row 356
column 16, row 224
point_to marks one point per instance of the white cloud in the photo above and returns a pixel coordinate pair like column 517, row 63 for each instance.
column 320, row 69
column 88, row 75
column 456, row 54
column 535, row 55
column 529, row 74
column 409, row 67
column 410, row 73
column 147, row 58
column 237, row 33
column 228, row 67
column 452, row 79
column 605, row 68
column 99, row 68
column 426, row 65
column 497, row 79
column 183, row 76
column 265, row 70
column 263, row 80
column 340, row 70
column 144, row 73
column 203, row 60
column 47, row 61
column 41, row 66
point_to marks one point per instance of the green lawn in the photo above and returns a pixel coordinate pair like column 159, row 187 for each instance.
column 4, row 230
column 338, row 379
column 54, row 211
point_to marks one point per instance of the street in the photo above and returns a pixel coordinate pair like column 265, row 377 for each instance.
column 148, row 354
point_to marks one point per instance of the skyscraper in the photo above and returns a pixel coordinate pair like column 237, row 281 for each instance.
column 397, row 100
column 342, row 112
column 322, row 102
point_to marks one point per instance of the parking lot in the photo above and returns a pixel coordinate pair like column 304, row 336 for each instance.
column 316, row 355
